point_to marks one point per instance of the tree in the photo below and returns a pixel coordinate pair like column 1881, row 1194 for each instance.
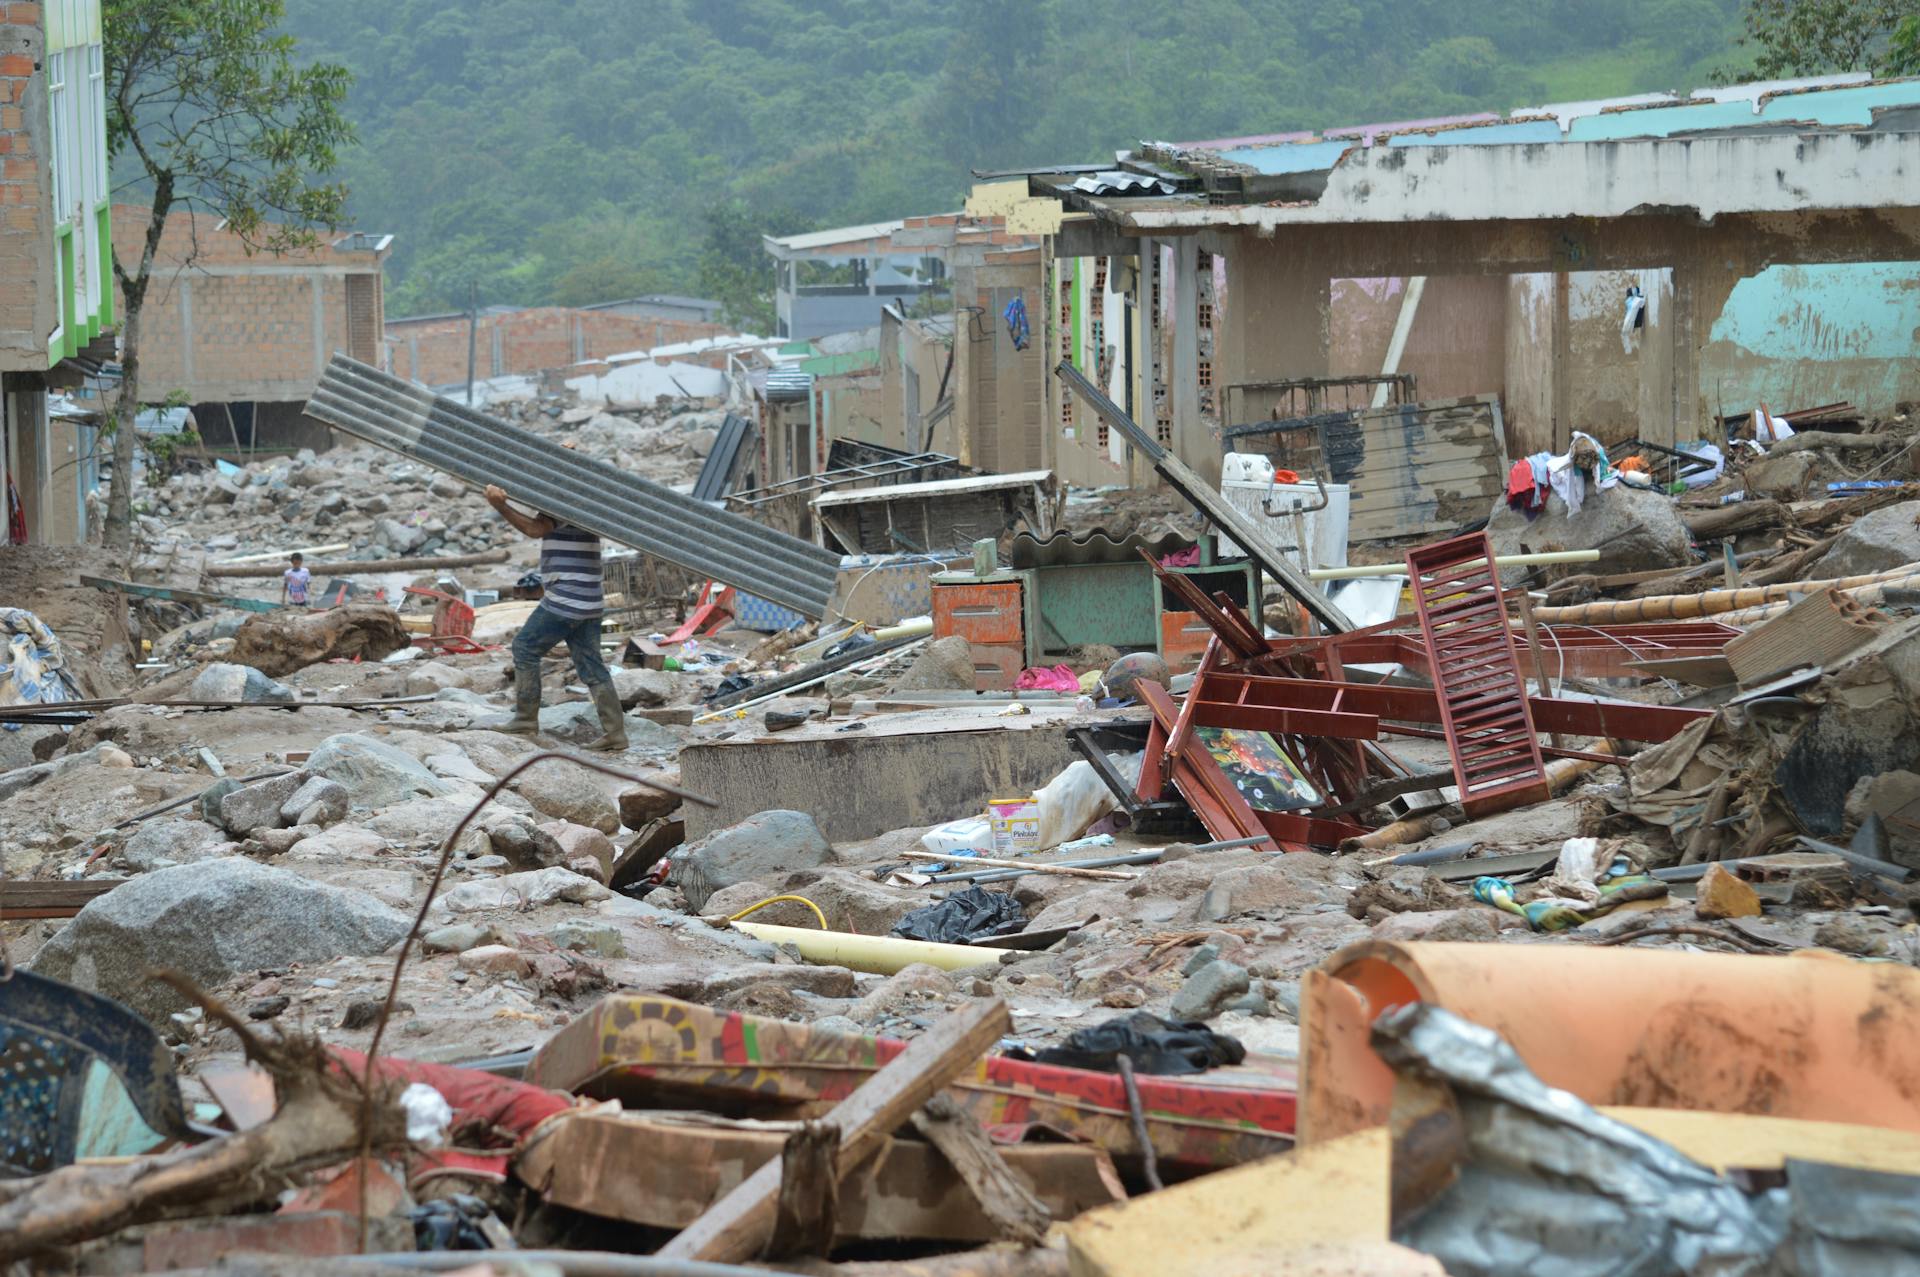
column 734, row 267
column 1818, row 37
column 205, row 101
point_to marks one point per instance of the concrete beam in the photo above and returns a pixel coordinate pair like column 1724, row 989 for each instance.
column 1706, row 176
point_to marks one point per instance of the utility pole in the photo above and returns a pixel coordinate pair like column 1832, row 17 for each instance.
column 473, row 333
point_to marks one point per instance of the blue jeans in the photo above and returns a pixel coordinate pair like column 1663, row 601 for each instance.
column 546, row 628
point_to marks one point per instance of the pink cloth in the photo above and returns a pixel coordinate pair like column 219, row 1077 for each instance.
column 1060, row 678
column 1187, row 558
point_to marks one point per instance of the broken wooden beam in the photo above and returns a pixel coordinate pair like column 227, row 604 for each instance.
column 20, row 899
column 738, row 1226
column 1010, row 1204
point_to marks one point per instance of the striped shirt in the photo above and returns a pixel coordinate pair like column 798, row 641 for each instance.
column 570, row 573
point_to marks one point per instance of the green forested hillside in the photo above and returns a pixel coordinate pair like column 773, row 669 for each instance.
column 577, row 150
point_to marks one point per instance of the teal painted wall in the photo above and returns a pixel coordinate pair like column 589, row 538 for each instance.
column 1800, row 336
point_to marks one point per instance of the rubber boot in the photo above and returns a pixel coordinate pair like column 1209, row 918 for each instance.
column 526, row 703
column 613, row 719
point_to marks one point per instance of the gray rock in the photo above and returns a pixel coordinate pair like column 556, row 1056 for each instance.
column 566, row 792
column 1634, row 531
column 228, row 682
column 318, row 802
column 1208, row 991
column 446, row 487
column 944, row 665
column 577, row 723
column 212, row 796
column 582, row 936
column 17, row 748
column 521, row 890
column 159, row 843
column 644, row 687
column 838, row 1024
column 458, row 938
column 259, row 805
column 400, row 538
column 212, row 921
column 376, row 503
column 457, row 767
column 1886, row 538
column 424, row 822
column 1251, row 1003
column 427, row 678
column 765, row 847
column 1202, row 955
column 375, row 773
column 524, row 844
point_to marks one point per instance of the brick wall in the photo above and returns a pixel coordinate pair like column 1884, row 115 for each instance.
column 434, row 351
column 225, row 325
column 27, row 295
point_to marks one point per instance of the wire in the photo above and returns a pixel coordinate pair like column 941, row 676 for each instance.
column 770, row 900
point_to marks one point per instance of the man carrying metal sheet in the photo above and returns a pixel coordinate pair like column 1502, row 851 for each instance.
column 569, row 611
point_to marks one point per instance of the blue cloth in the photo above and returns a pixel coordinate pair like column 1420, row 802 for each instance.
column 1018, row 329
column 30, row 663
column 545, row 629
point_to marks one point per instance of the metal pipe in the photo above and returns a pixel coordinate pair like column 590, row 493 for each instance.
column 1131, row 858
column 1499, row 560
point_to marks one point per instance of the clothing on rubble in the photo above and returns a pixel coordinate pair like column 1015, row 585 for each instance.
column 1527, row 486
column 1568, row 471
column 1019, row 331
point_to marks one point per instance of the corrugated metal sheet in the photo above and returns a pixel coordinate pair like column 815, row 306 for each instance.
column 1412, row 470
column 788, row 384
column 1066, row 549
column 590, row 494
column 717, row 475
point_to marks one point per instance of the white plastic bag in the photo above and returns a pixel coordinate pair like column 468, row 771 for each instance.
column 1072, row 801
column 973, row 833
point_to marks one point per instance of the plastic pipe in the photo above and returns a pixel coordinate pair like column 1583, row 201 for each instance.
column 1682, row 607
column 879, row 955
column 1499, row 560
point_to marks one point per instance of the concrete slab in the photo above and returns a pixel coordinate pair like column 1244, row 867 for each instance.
column 863, row 778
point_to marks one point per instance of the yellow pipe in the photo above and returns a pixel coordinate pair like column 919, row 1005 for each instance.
column 881, row 955
column 1717, row 603
column 774, row 900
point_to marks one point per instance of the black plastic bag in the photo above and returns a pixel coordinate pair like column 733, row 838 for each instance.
column 1153, row 1044
column 729, row 685
column 964, row 916
column 851, row 643
column 450, row 1224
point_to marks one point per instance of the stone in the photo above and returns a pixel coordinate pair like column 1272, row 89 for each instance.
column 278, row 842
column 579, row 842
column 1202, row 955
column 399, row 537
column 375, row 773
column 558, row 789
column 1283, row 884
column 1722, row 894
column 159, row 843
column 768, row 845
column 915, row 987
column 457, row 766
column 259, row 805
column 1468, row 924
column 578, row 723
column 524, row 844
column 588, row 867
column 1885, row 538
column 429, row 677
column 317, row 802
column 583, row 936
column 522, row 890
column 648, row 688
column 1125, row 996
column 1783, row 478
column 212, row 921
column 946, row 664
column 375, row 503
column 267, row 1008
column 640, row 805
column 1634, row 531
column 279, row 643
column 422, row 823
column 1856, row 934
column 457, row 938
column 1207, row 991
column 20, row 749
column 446, row 487
column 851, row 900
column 230, row 682
column 495, row 959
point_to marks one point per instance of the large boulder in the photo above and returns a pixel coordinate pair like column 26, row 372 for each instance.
column 374, row 773
column 277, row 643
column 944, row 665
column 646, row 688
column 1887, row 538
column 765, row 847
column 225, row 681
column 1634, row 530
column 211, row 921
column 564, row 792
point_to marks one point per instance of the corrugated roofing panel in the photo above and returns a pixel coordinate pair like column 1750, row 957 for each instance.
column 716, row 476
column 590, row 494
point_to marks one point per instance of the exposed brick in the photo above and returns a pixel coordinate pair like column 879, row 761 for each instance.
column 23, row 13
column 17, row 64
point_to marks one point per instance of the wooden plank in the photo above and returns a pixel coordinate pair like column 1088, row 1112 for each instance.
column 737, row 1227
column 662, row 1172
column 19, row 899
column 1011, row 1205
